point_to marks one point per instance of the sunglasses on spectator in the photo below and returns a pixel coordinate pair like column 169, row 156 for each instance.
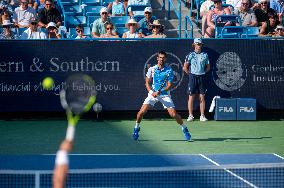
column 104, row 12
column 79, row 30
column 280, row 29
column 48, row 4
column 245, row 4
column 156, row 27
column 52, row 28
column 109, row 28
column 132, row 24
column 147, row 12
column 25, row 3
column 264, row 3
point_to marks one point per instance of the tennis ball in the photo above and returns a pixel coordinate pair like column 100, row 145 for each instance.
column 47, row 83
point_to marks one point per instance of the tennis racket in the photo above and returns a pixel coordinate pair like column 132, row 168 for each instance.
column 77, row 97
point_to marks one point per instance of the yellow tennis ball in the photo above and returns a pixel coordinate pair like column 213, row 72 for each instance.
column 47, row 83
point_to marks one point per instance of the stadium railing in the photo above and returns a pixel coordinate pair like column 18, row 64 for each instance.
column 234, row 32
column 177, row 12
column 188, row 22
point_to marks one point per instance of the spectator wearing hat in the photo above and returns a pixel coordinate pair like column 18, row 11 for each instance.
column 279, row 31
column 33, row 32
column 23, row 15
column 132, row 25
column 196, row 65
column 145, row 23
column 52, row 31
column 98, row 28
column 268, row 27
column 212, row 15
column 117, row 8
column 109, row 31
column 246, row 14
column 39, row 4
column 7, row 32
column 49, row 14
column 157, row 30
column 278, row 6
column 262, row 12
column 137, row 2
column 6, row 11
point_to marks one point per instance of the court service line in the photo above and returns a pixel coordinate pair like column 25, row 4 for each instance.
column 278, row 156
column 230, row 172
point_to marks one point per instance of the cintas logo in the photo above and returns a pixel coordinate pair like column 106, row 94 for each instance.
column 246, row 109
column 173, row 61
column 225, row 109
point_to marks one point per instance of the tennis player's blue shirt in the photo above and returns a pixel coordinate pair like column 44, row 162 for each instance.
column 160, row 78
column 197, row 62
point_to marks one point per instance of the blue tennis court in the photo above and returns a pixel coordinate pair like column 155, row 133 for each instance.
column 165, row 170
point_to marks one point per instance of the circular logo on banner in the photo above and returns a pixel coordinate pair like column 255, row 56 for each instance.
column 229, row 73
column 173, row 61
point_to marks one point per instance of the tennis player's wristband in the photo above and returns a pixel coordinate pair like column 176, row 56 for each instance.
column 151, row 92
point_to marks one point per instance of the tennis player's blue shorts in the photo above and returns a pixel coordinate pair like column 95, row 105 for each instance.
column 196, row 84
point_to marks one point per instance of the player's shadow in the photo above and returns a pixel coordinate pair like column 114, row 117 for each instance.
column 222, row 139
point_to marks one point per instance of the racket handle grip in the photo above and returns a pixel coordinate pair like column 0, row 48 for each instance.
column 70, row 133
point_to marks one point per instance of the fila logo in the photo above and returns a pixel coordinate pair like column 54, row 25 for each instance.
column 225, row 109
column 246, row 109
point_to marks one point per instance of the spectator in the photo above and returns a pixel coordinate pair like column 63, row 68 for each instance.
column 109, row 31
column 204, row 9
column 6, row 11
column 268, row 27
column 40, row 4
column 278, row 6
column 49, row 14
column 52, row 31
column 99, row 24
column 80, row 32
column 7, row 32
column 23, row 15
column 132, row 25
column 32, row 4
column 145, row 23
column 279, row 31
column 117, row 8
column 212, row 15
column 262, row 12
column 246, row 14
column 137, row 2
column 15, row 3
column 157, row 30
column 196, row 65
column 33, row 32
column 235, row 3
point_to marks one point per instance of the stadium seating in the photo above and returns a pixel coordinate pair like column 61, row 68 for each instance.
column 92, row 10
column 252, row 32
column 119, row 21
column 75, row 10
column 136, row 8
column 234, row 32
column 73, row 21
column 222, row 19
column 69, row 2
column 92, row 2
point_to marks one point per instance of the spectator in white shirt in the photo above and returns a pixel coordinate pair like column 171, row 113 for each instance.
column 23, row 15
column 33, row 32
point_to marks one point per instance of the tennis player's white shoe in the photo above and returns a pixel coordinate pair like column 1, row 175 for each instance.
column 203, row 118
column 190, row 118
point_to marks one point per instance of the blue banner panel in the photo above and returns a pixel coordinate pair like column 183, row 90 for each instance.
column 240, row 68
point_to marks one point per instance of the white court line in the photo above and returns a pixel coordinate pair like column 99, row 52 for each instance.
column 230, row 172
column 278, row 156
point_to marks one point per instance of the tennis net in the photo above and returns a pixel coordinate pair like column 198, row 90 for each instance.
column 255, row 175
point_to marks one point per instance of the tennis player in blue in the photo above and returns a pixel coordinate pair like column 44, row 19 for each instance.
column 196, row 65
column 161, row 76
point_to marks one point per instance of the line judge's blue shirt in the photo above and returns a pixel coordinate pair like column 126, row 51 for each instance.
column 197, row 62
column 160, row 78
